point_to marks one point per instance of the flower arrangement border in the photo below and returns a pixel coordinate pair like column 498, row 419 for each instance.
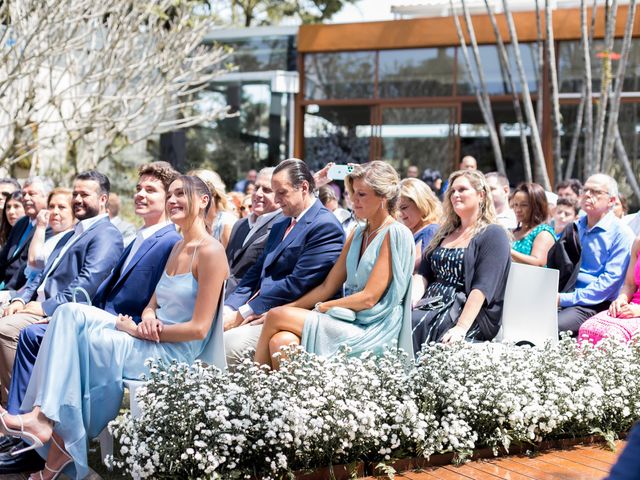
column 198, row 422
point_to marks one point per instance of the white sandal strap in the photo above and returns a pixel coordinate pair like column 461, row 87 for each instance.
column 62, row 450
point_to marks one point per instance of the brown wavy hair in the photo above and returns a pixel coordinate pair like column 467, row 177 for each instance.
column 538, row 205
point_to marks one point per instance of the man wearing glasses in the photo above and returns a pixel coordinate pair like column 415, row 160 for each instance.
column 606, row 246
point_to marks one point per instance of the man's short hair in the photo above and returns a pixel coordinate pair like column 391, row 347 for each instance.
column 501, row 178
column 572, row 183
column 612, row 184
column 46, row 184
column 11, row 181
column 298, row 172
column 100, row 178
column 163, row 171
column 568, row 202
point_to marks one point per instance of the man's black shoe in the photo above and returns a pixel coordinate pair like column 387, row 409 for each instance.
column 7, row 443
column 26, row 462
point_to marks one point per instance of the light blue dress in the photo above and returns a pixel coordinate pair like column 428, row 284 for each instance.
column 78, row 376
column 389, row 320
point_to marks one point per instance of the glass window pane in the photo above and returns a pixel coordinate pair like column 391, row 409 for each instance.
column 257, row 54
column 496, row 80
column 337, row 134
column 571, row 65
column 418, row 136
column 339, row 75
column 416, row 72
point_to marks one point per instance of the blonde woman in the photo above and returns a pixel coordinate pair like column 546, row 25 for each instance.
column 420, row 211
column 373, row 270
column 220, row 220
column 465, row 267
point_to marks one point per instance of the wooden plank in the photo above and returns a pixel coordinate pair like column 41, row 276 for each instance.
column 528, row 470
column 500, row 472
column 580, row 471
column 603, row 454
column 583, row 458
column 422, row 475
column 471, row 472
column 557, row 472
column 443, row 473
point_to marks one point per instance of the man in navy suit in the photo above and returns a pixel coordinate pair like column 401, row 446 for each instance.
column 14, row 253
column 81, row 260
column 127, row 290
column 300, row 251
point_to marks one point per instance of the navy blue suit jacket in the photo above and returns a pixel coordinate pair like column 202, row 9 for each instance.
column 13, row 257
column 128, row 291
column 289, row 268
column 85, row 264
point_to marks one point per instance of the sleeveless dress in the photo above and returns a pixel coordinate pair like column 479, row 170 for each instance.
column 78, row 376
column 603, row 325
column 381, row 325
column 525, row 244
column 442, row 312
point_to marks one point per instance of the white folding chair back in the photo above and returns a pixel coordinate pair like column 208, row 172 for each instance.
column 530, row 311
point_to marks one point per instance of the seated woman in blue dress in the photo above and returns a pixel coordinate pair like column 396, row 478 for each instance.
column 420, row 211
column 533, row 237
column 465, row 267
column 374, row 269
column 77, row 382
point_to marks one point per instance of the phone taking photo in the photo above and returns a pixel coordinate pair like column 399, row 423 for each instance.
column 339, row 172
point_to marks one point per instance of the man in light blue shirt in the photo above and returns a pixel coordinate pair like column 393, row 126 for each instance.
column 606, row 246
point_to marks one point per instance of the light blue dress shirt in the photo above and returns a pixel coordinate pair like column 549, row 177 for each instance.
column 605, row 256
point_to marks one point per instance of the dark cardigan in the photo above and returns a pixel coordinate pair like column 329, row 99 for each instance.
column 487, row 260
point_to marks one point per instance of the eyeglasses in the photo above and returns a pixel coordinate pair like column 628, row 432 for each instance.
column 592, row 192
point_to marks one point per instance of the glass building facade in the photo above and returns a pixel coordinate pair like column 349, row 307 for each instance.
column 418, row 106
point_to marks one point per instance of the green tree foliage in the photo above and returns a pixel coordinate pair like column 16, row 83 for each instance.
column 272, row 12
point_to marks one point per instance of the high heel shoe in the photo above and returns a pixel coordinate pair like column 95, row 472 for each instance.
column 29, row 437
column 56, row 473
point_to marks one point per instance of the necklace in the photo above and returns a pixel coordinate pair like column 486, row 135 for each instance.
column 371, row 234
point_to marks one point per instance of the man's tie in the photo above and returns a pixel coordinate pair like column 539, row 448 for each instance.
column 289, row 228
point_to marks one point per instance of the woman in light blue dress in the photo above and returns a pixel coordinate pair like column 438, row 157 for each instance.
column 77, row 382
column 374, row 269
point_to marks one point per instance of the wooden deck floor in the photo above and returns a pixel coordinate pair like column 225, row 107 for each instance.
column 578, row 463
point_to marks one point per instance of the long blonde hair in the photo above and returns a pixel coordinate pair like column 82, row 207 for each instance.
column 451, row 221
column 423, row 197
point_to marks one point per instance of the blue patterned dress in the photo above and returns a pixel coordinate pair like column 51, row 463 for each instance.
column 446, row 297
column 381, row 325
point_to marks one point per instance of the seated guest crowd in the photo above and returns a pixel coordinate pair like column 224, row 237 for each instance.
column 88, row 299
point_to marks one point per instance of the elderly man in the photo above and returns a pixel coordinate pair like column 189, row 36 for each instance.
column 14, row 253
column 249, row 235
column 606, row 245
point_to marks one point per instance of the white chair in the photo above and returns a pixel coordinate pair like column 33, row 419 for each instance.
column 530, row 311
